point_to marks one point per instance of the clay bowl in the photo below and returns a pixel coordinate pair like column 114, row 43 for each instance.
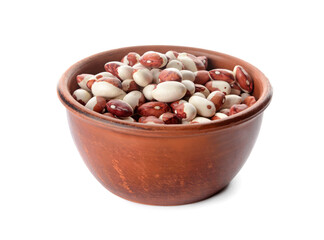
column 167, row 164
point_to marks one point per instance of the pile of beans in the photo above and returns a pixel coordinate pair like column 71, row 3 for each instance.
column 170, row 88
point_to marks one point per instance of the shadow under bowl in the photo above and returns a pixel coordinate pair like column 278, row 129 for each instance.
column 163, row 164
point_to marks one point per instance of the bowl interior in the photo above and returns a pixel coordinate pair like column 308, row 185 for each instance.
column 95, row 64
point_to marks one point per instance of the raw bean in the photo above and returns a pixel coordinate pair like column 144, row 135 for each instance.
column 235, row 89
column 120, row 96
column 186, row 111
column 169, row 91
column 190, row 87
column 109, row 114
column 218, row 98
column 219, row 85
column 236, row 108
column 82, row 96
column 188, row 75
column 156, row 73
column 249, row 101
column 225, row 111
column 195, row 94
column 82, row 80
column 201, row 77
column 129, row 85
column 107, row 87
column 222, row 75
column 175, row 64
column 98, row 76
column 96, row 104
column 200, row 120
column 119, row 70
column 191, row 62
column 199, row 94
column 176, row 103
column 119, row 108
column 170, row 118
column 91, row 81
column 150, row 120
column 170, row 74
column 139, row 65
column 128, row 119
column 153, row 109
column 134, row 99
column 202, row 89
column 204, row 60
column 131, row 58
column 153, row 59
column 230, row 100
column 244, row 95
column 103, row 74
column 219, row 115
column 142, row 76
column 172, row 55
column 243, row 79
column 205, row 108
column 147, row 91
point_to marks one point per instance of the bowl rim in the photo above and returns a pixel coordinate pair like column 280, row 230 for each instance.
column 72, row 105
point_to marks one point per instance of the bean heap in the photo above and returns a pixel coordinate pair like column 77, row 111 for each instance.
column 170, row 88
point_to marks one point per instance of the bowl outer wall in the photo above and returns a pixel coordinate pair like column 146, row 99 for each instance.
column 164, row 170
column 166, row 165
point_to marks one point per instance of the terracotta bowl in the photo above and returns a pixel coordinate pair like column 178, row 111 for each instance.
column 167, row 164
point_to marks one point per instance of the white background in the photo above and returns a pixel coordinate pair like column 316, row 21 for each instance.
column 48, row 193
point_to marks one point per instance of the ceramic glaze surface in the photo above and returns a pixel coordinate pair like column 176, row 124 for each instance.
column 163, row 164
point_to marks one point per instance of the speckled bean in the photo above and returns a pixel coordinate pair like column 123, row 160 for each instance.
column 153, row 109
column 142, row 76
column 218, row 98
column 175, row 64
column 188, row 75
column 236, row 108
column 230, row 100
column 107, row 87
column 249, row 101
column 243, row 79
column 202, row 89
column 119, row 70
column 129, row 85
column 219, row 115
column 153, row 59
column 200, row 120
column 222, row 75
column 82, row 80
column 186, row 111
column 82, row 96
column 134, row 99
column 191, row 62
column 119, row 108
column 218, row 85
column 190, row 87
column 170, row 118
column 131, row 58
column 147, row 91
column 96, row 104
column 201, row 77
column 150, row 120
column 205, row 108
column 169, row 91
column 170, row 74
